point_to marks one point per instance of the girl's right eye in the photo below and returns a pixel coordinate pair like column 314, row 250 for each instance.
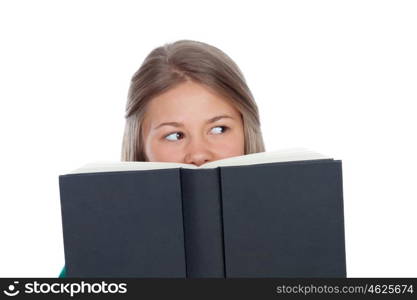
column 174, row 136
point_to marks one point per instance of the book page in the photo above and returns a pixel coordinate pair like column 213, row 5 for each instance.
column 290, row 154
column 283, row 155
column 128, row 166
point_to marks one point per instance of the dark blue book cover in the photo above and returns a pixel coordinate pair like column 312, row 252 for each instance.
column 279, row 219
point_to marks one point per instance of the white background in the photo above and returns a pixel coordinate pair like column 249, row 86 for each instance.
column 338, row 77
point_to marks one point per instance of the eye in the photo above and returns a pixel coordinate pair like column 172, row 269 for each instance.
column 174, row 136
column 225, row 128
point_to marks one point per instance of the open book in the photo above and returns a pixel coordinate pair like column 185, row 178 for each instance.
column 269, row 214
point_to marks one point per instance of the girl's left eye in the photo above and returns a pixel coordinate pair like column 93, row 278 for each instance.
column 225, row 128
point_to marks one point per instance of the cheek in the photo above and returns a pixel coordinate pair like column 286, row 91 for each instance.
column 232, row 145
column 161, row 152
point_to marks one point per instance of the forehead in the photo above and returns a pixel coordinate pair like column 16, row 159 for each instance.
column 188, row 101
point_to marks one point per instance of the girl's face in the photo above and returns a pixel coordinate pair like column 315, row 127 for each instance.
column 190, row 124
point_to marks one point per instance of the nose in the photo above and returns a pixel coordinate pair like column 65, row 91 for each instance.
column 198, row 153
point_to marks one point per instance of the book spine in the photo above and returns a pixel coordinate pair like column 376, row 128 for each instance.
column 203, row 233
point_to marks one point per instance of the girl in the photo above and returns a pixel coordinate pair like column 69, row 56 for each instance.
column 189, row 103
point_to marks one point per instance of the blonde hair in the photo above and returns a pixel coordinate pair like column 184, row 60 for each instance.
column 174, row 63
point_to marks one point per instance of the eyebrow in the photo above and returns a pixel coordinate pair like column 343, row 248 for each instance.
column 176, row 124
